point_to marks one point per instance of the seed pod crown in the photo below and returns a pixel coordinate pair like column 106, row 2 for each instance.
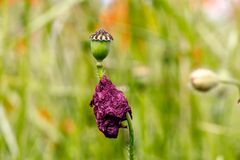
column 101, row 35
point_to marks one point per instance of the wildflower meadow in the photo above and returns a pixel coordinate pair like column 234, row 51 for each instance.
column 119, row 80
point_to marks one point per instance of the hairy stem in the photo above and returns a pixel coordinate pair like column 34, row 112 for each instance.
column 131, row 135
column 99, row 70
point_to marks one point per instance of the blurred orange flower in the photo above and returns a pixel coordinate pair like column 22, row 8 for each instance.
column 197, row 56
column 68, row 126
column 116, row 17
column 12, row 2
column 21, row 46
column 45, row 114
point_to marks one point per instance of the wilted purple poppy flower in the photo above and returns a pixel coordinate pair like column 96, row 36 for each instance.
column 110, row 107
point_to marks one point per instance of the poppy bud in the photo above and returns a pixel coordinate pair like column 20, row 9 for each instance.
column 100, row 44
column 203, row 79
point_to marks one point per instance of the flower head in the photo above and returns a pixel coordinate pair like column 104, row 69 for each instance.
column 100, row 44
column 203, row 79
column 110, row 107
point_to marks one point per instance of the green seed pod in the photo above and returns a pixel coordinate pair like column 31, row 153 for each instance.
column 100, row 44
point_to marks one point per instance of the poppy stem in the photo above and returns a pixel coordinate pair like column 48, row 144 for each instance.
column 231, row 82
column 131, row 136
column 99, row 69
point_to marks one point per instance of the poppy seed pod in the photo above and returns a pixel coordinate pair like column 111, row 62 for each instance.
column 203, row 79
column 100, row 44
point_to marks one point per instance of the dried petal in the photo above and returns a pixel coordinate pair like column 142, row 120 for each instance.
column 110, row 107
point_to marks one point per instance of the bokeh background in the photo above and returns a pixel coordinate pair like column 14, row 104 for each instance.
column 48, row 76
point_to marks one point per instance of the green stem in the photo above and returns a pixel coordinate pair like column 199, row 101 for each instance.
column 131, row 135
column 99, row 69
column 129, row 121
column 231, row 82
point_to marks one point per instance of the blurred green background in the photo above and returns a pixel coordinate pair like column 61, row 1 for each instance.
column 48, row 76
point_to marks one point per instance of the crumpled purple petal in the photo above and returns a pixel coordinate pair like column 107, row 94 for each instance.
column 110, row 107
